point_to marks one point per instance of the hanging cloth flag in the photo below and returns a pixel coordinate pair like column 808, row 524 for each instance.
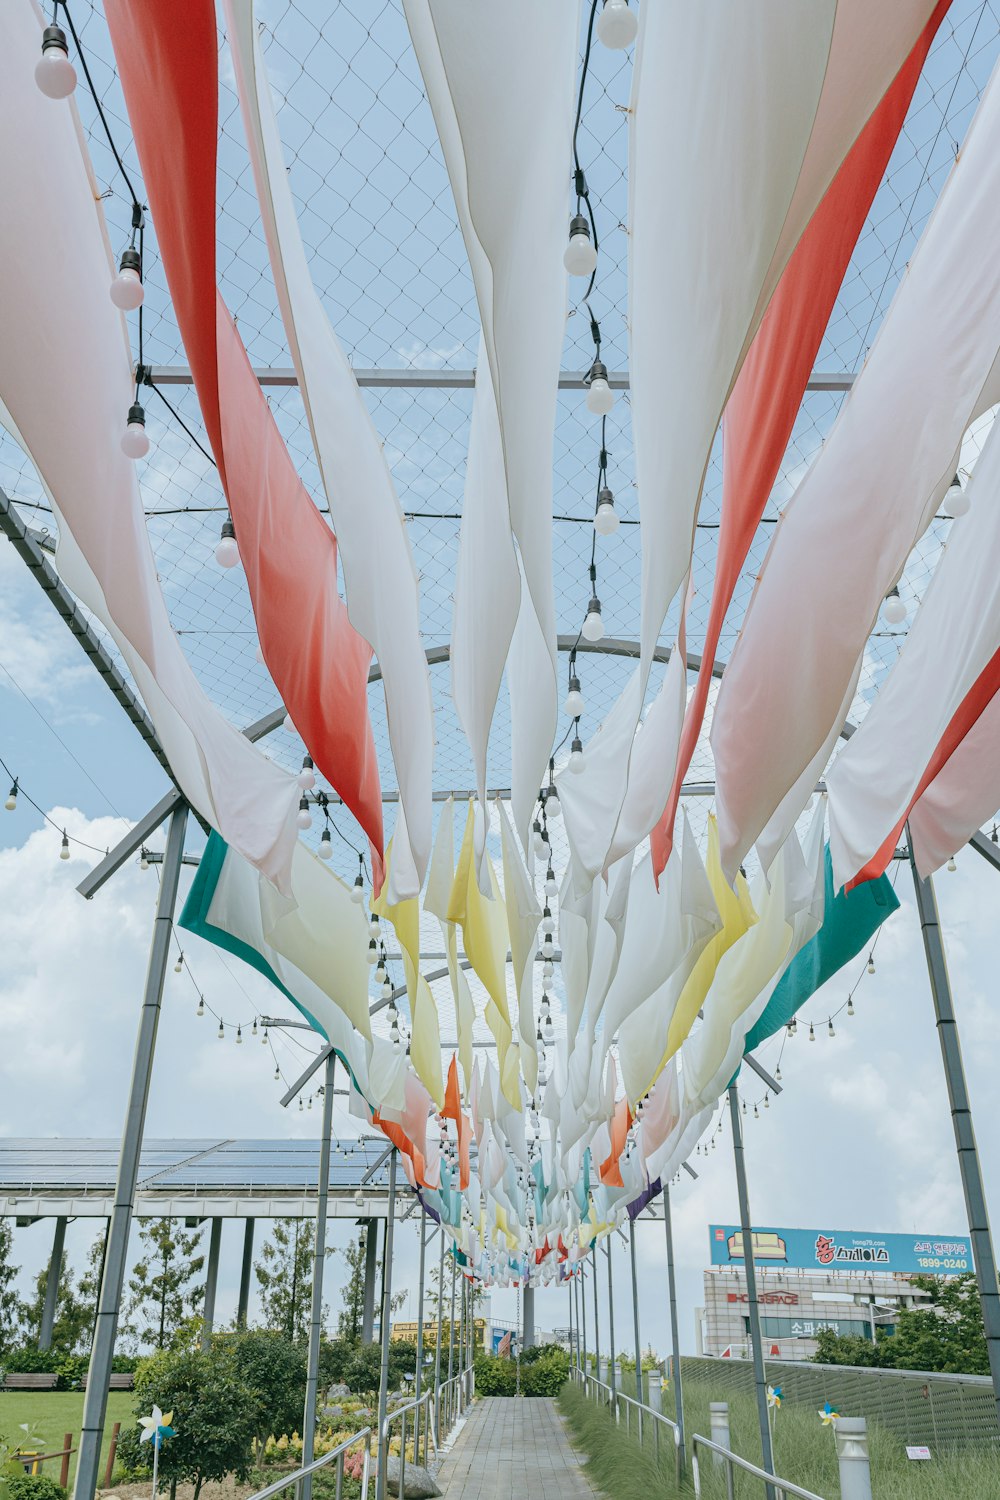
column 452, row 1110
column 380, row 580
column 484, row 938
column 425, row 1033
column 440, row 877
column 761, row 411
column 523, row 916
column 168, row 64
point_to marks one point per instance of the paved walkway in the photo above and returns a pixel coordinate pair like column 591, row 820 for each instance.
column 509, row 1449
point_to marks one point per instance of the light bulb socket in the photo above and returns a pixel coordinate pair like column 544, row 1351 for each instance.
column 577, row 746
column 605, row 496
column 130, row 261
column 574, row 685
column 137, row 414
column 229, row 533
column 303, row 804
column 54, row 37
column 594, row 607
column 597, row 371
column 579, row 224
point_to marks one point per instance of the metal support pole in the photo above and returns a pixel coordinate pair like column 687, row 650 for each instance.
column 243, row 1305
column 635, row 1316
column 961, row 1119
column 451, row 1321
column 420, row 1338
column 461, row 1324
column 368, row 1305
column 98, row 1378
column 52, row 1286
column 760, row 1379
column 211, row 1282
column 571, row 1287
column 583, row 1318
column 597, row 1326
column 528, row 1317
column 611, row 1327
column 675, row 1350
column 437, row 1351
column 319, row 1259
column 383, row 1386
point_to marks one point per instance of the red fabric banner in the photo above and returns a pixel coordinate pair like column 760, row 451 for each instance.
column 167, row 59
column 765, row 401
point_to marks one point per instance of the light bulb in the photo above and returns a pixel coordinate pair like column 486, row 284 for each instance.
column 54, row 73
column 306, row 777
column 553, row 807
column 551, row 889
column 580, row 257
column 829, row 1027
column 600, row 396
column 253, row 1028
column 617, row 25
column 178, row 966
column 850, row 1011
column 593, row 626
column 239, row 1036
column 375, row 926
column 144, row 861
column 812, row 1034
column 358, row 889
column 576, row 755
column 277, row 1074
column 951, row 864
column 956, row 499
column 303, row 818
column 893, row 608
column 606, row 517
column 548, row 971
column 221, row 1033
column 325, row 845
column 227, row 553
column 548, row 923
column 536, row 829
column 386, row 990
column 135, row 443
column 11, row 802
column 373, row 952
column 380, row 972
column 64, row 850
column 264, row 1039
column 547, row 948
column 301, row 1105
column 126, row 289
column 201, row 1006
column 871, row 963
column 574, row 705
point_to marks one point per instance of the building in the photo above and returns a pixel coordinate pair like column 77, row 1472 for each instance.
column 808, row 1280
column 408, row 1331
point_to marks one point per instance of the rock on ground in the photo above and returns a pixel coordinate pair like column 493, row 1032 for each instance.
column 418, row 1483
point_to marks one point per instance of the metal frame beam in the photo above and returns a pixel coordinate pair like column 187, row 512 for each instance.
column 406, row 378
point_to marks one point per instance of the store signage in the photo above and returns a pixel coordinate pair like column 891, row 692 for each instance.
column 844, row 1250
column 767, row 1299
column 918, row 1452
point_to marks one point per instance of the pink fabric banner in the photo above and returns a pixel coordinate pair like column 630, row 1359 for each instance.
column 167, row 59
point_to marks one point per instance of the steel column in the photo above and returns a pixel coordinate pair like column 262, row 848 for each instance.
column 528, row 1317
column 243, row 1305
column 961, row 1119
column 96, row 1399
column 675, row 1349
column 319, row 1260
column 211, row 1282
column 437, row 1351
column 451, row 1320
column 383, row 1385
column 757, row 1347
column 583, row 1315
column 420, row 1336
column 597, row 1326
column 52, row 1286
column 635, row 1313
column 368, row 1305
column 611, row 1324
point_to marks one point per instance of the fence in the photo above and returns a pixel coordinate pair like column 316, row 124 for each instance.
column 942, row 1411
column 782, row 1487
column 645, row 1418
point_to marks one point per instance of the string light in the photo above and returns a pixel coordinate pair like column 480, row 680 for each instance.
column 227, row 552
column 871, row 963
column 55, row 75
column 135, row 442
column 64, row 847
column 951, row 865
column 580, row 255
column 574, row 705
column 600, row 396
column 358, row 888
column 306, row 777
column 850, row 1006
column 576, row 758
column 829, row 1027
column 253, row 1029
column 11, row 802
column 201, row 1006
column 303, row 818
column 325, row 844
column 239, row 1036
column 957, row 499
column 618, row 25
column 893, row 608
column 812, row 1034
column 178, row 966
column 221, row 1033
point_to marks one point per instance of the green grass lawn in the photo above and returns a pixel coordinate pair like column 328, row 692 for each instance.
column 803, row 1451
column 54, row 1413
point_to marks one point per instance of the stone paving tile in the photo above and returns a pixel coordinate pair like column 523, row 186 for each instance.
column 509, row 1449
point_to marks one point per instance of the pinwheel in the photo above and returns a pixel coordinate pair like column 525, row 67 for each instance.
column 828, row 1415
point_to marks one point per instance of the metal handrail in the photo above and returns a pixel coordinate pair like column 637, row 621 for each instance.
column 616, row 1398
column 321, row 1463
column 781, row 1487
column 453, row 1396
column 399, row 1414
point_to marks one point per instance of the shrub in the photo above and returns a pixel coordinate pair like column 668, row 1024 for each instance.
column 274, row 1369
column 362, row 1371
column 546, row 1375
column 495, row 1377
column 34, row 1487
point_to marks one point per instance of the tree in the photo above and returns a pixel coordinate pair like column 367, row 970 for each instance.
column 349, row 1319
column 162, row 1296
column 214, row 1415
column 73, row 1318
column 944, row 1334
column 274, row 1369
column 283, row 1274
column 11, row 1310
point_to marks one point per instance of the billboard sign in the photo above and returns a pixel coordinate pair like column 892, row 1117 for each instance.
column 844, row 1250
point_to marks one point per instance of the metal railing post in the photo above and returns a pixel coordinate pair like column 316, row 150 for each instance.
column 597, row 1326
column 95, row 1403
column 437, row 1351
column 319, row 1259
column 611, row 1331
column 383, row 1389
column 753, row 1308
column 675, row 1350
column 983, row 1255
column 635, row 1320
column 418, row 1382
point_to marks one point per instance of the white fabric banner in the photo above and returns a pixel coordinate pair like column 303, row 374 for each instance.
column 950, row 642
column 380, row 580
column 56, row 321
column 844, row 537
column 504, row 115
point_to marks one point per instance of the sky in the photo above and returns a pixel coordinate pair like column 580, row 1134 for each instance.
column 860, row 1137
